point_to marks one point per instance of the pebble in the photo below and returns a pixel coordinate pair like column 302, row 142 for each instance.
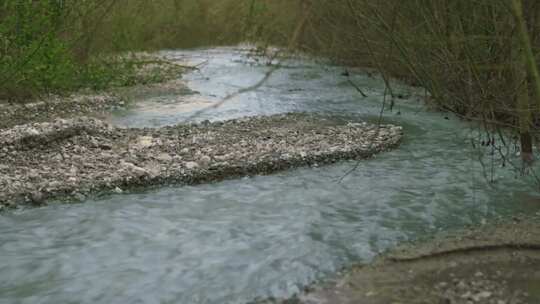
column 79, row 196
column 67, row 155
column 481, row 295
column 205, row 160
column 164, row 157
column 118, row 190
column 191, row 165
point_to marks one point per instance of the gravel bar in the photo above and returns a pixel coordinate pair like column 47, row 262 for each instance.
column 70, row 159
column 55, row 107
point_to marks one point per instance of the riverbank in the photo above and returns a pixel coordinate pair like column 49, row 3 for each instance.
column 55, row 107
column 497, row 263
column 75, row 158
column 150, row 71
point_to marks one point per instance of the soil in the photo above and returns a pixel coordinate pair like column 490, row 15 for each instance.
column 498, row 263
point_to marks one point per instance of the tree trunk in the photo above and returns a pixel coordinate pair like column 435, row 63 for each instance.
column 528, row 62
column 305, row 11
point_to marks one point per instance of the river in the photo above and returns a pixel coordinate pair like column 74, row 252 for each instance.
column 260, row 236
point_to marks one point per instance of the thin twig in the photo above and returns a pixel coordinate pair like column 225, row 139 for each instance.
column 239, row 92
column 356, row 87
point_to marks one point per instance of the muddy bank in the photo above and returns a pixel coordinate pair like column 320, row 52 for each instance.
column 494, row 264
column 74, row 158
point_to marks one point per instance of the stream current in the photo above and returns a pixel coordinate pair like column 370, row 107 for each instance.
column 259, row 236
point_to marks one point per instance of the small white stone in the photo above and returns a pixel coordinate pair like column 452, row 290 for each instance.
column 481, row 295
column 370, row 294
column 144, row 142
column 32, row 131
column 135, row 169
column 164, row 157
column 205, row 160
column 191, row 165
column 118, row 190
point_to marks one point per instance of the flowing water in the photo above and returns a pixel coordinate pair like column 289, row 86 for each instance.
column 261, row 236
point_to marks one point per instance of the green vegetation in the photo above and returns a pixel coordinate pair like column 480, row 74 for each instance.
column 41, row 52
column 57, row 46
column 474, row 58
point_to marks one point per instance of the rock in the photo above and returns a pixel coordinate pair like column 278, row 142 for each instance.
column 153, row 169
column 205, row 160
column 370, row 294
column 191, row 165
column 138, row 171
column 117, row 190
column 37, row 198
column 79, row 196
column 32, row 132
column 166, row 157
column 54, row 184
column 442, row 284
column 481, row 295
column 144, row 142
column 461, row 285
column 221, row 157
